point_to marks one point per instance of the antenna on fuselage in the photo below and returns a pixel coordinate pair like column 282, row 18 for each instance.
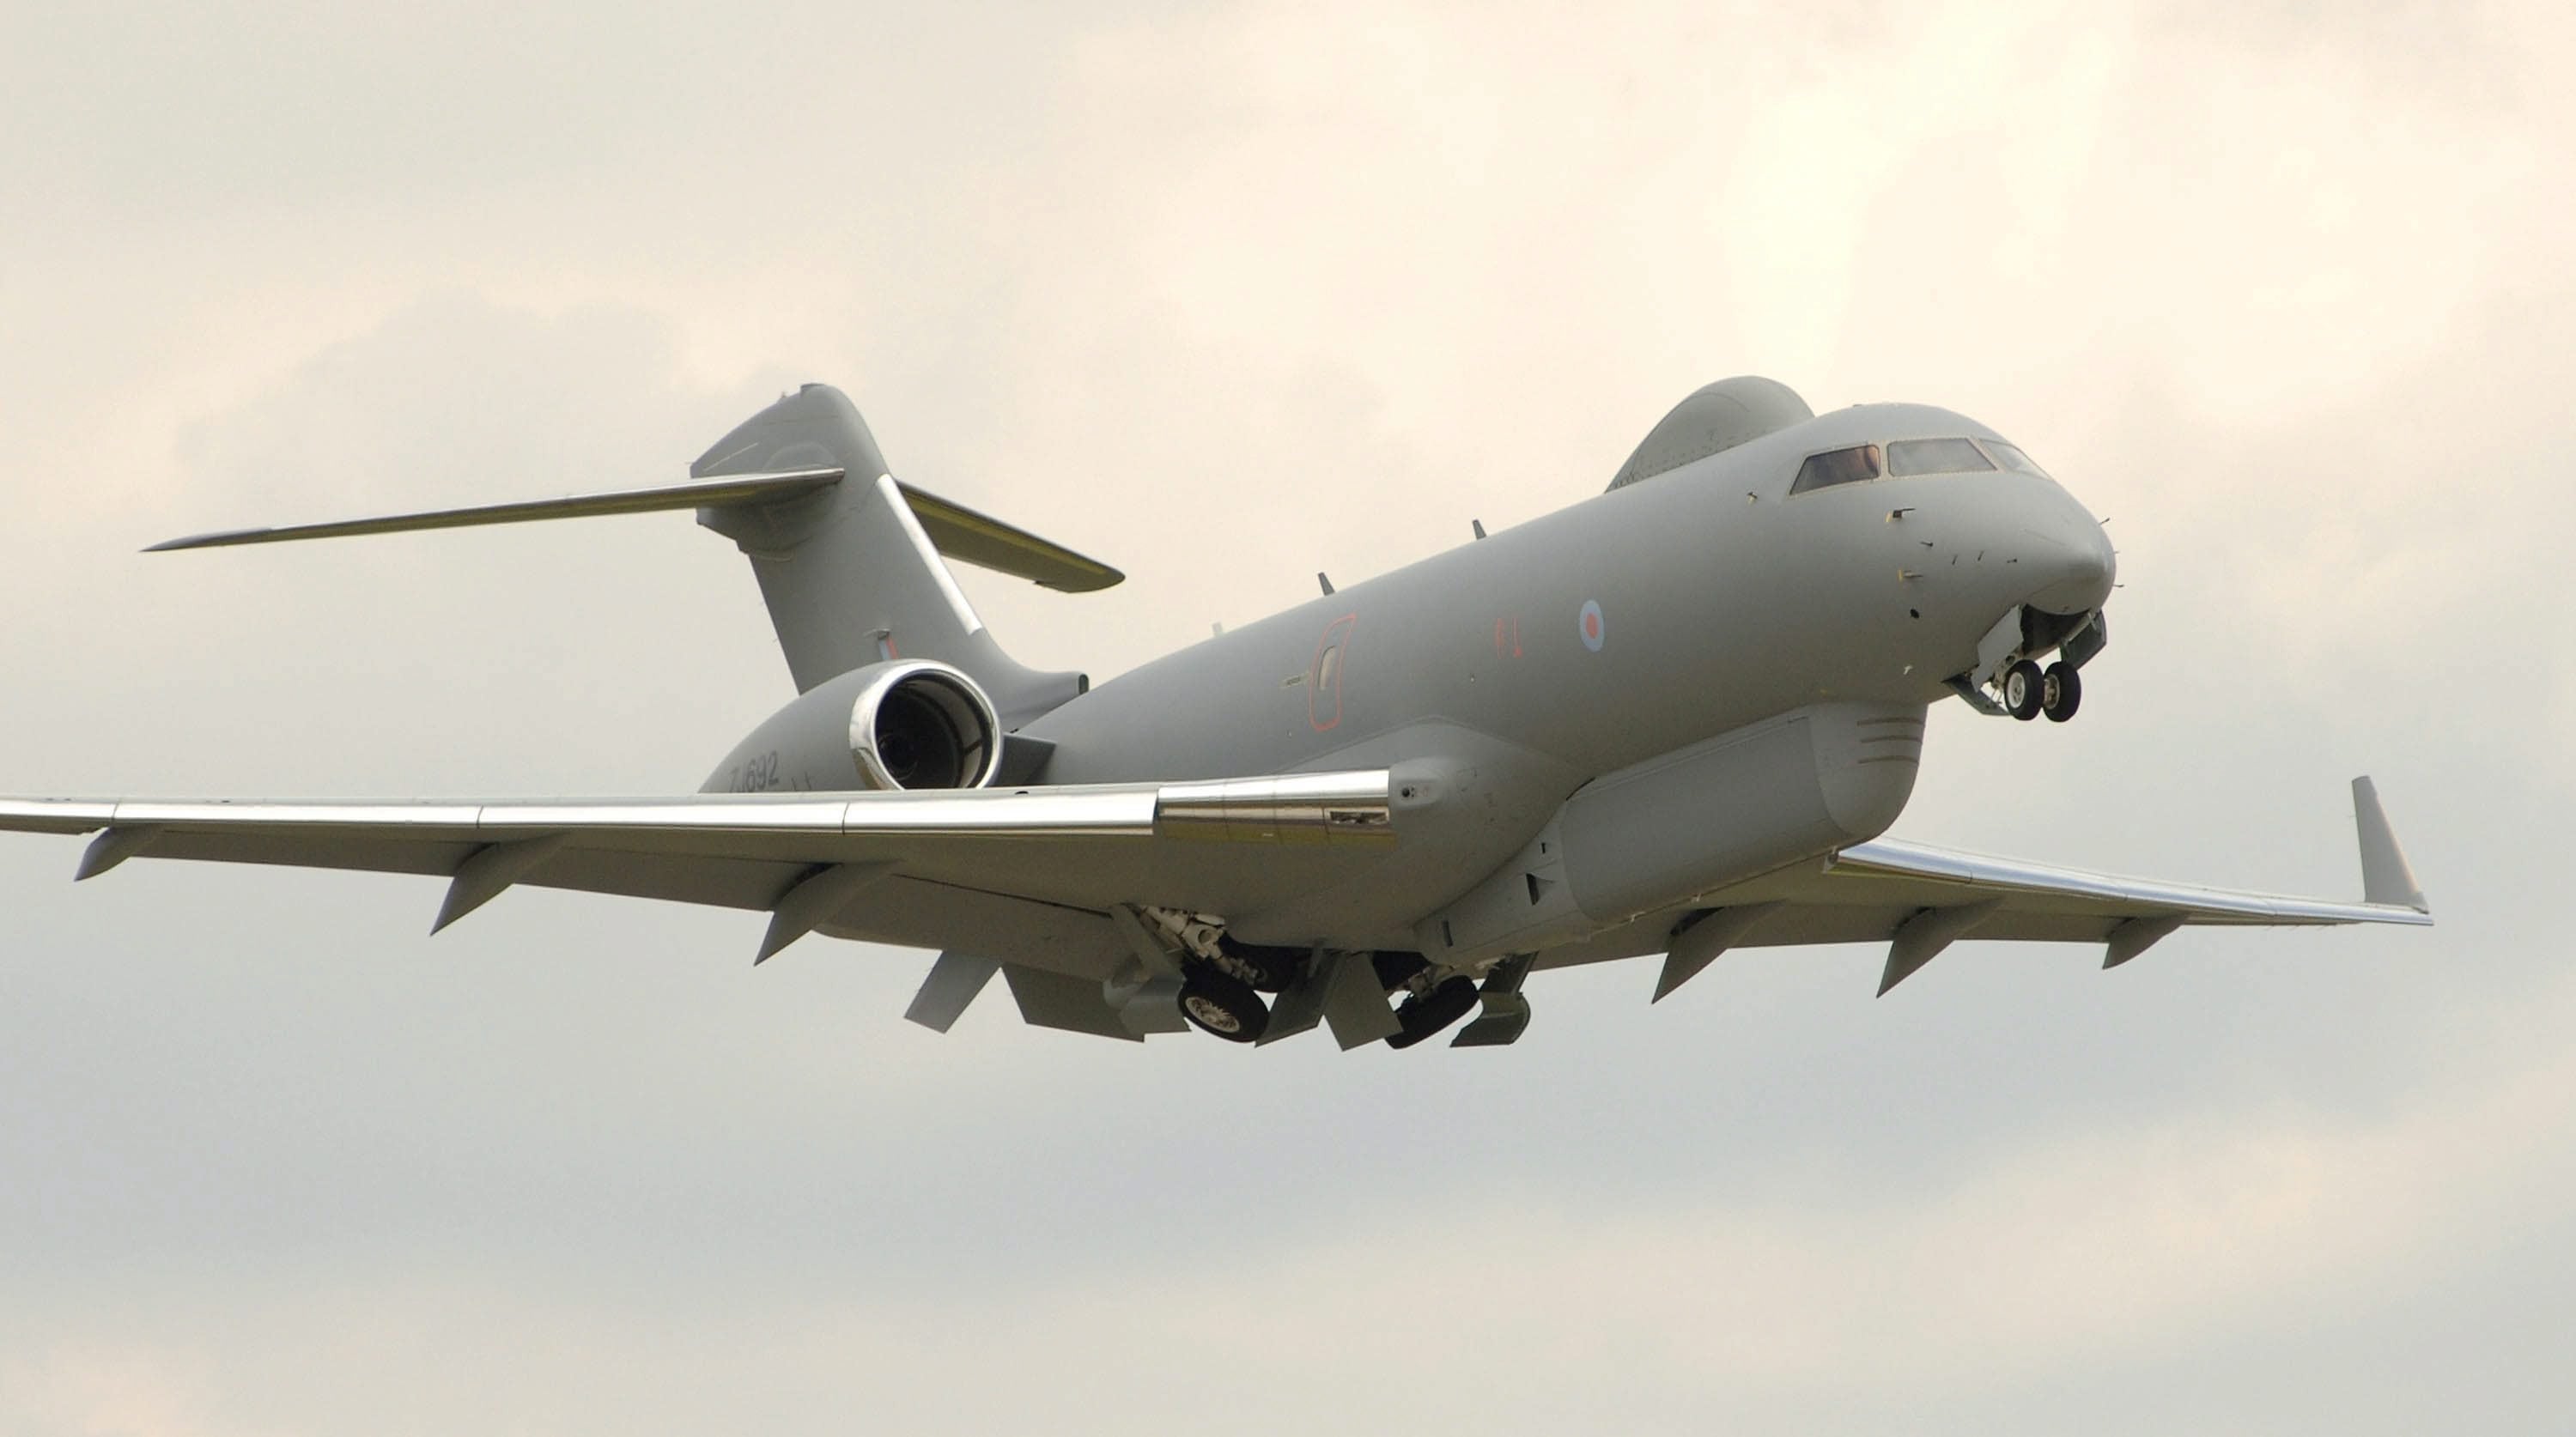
column 1324, row 583
column 1478, row 525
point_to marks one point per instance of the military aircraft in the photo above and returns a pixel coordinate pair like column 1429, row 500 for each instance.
column 1673, row 718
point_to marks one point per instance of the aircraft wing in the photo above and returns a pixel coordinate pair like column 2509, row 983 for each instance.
column 1919, row 898
column 802, row 857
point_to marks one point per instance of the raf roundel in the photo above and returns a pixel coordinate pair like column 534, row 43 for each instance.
column 1589, row 626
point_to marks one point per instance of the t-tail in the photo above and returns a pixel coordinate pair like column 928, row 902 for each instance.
column 849, row 573
column 848, row 559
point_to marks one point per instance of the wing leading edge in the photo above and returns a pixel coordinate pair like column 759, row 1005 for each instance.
column 801, row 857
column 1920, row 898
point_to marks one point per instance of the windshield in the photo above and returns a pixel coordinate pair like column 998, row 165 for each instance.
column 1934, row 456
column 1839, row 466
column 2013, row 458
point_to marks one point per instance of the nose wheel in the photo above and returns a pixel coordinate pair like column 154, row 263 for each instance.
column 2060, row 690
column 2024, row 690
column 2029, row 692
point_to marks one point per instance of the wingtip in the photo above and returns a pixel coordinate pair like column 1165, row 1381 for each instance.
column 1092, row 583
column 215, row 540
column 2386, row 877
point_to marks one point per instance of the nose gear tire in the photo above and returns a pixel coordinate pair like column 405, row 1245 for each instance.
column 2063, row 691
column 2022, row 690
column 1426, row 1015
column 1225, row 1005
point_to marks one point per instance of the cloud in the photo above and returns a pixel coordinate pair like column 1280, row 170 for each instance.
column 1228, row 296
column 2096, row 1253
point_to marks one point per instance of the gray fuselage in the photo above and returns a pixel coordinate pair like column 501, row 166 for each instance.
column 1715, row 599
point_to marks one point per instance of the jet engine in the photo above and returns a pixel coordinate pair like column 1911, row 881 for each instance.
column 904, row 723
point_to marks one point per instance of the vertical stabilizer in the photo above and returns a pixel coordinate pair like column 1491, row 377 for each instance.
column 849, row 577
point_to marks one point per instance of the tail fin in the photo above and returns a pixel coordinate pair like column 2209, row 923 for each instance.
column 848, row 559
column 849, row 576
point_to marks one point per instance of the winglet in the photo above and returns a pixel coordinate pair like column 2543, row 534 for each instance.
column 2385, row 877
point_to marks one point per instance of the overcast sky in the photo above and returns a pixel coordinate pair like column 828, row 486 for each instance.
column 1226, row 295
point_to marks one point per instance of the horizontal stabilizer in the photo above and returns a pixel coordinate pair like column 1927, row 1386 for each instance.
column 988, row 543
column 960, row 533
column 707, row 493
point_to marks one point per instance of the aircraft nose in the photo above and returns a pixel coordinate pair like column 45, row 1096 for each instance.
column 2074, row 563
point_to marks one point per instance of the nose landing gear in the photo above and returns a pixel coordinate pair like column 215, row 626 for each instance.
column 2008, row 680
column 2030, row 692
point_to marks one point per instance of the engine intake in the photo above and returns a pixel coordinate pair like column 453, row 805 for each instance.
column 919, row 724
column 903, row 723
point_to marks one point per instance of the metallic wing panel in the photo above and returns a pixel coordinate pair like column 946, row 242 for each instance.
column 1891, row 870
column 1085, row 847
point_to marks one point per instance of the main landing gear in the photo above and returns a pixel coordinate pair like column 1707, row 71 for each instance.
column 2030, row 692
column 1222, row 994
column 1430, row 1004
column 1218, row 1002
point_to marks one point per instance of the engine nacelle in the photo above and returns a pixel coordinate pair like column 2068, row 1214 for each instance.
column 904, row 723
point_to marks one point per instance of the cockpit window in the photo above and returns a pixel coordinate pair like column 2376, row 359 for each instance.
column 2013, row 458
column 1934, row 456
column 1840, row 466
